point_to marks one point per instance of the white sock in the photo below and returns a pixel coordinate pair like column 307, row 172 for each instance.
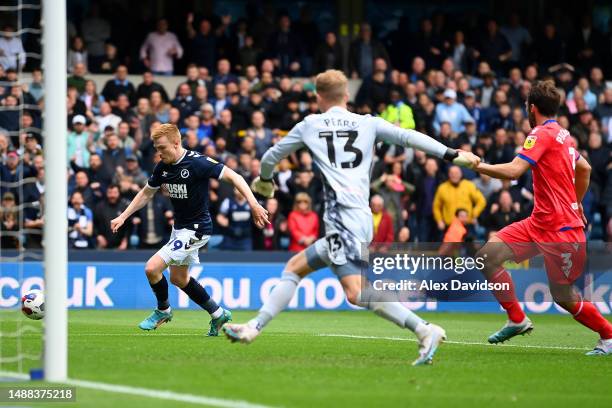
column 217, row 313
column 277, row 301
column 388, row 307
column 168, row 310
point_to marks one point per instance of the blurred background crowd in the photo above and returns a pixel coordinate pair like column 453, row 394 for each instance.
column 247, row 80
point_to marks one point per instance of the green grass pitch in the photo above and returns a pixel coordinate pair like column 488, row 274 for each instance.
column 302, row 360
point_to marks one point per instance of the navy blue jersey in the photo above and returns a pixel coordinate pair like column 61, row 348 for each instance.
column 187, row 184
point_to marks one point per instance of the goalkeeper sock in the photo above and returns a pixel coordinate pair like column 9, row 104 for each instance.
column 387, row 306
column 507, row 298
column 161, row 293
column 198, row 294
column 278, row 300
column 587, row 314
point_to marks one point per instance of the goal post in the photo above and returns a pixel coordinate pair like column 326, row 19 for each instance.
column 55, row 221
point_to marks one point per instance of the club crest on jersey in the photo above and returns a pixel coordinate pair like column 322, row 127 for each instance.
column 164, row 173
column 184, row 173
column 530, row 142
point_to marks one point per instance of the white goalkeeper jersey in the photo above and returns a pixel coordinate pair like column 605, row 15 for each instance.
column 342, row 144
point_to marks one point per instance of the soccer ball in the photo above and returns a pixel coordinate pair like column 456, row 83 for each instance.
column 33, row 304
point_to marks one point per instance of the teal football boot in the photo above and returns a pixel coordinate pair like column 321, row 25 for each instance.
column 155, row 319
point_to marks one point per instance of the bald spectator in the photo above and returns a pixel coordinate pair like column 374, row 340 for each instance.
column 119, row 85
column 383, row 223
column 456, row 193
column 223, row 75
column 148, row 86
column 160, row 48
column 77, row 79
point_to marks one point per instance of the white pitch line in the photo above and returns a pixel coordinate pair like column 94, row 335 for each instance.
column 149, row 393
column 465, row 343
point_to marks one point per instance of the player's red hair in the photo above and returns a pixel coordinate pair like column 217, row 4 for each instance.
column 167, row 130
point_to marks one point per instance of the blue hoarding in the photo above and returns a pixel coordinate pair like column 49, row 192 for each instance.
column 122, row 285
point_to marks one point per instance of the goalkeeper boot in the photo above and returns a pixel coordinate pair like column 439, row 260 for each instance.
column 510, row 330
column 215, row 324
column 429, row 341
column 242, row 333
column 155, row 319
column 603, row 348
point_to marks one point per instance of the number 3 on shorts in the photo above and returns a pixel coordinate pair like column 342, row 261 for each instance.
column 335, row 243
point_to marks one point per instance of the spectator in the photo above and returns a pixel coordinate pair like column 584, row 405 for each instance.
column 487, row 185
column 550, row 47
column 494, row 47
column 262, row 136
column 92, row 100
column 363, row 52
column 109, row 62
column 394, row 190
column 106, row 211
column 148, row 86
column 12, row 54
column 284, row 48
column 114, row 155
column 119, row 85
column 80, row 142
column 80, row 223
column 503, row 212
column 160, row 48
column 122, row 109
column 453, row 194
column 302, row 223
column 96, row 31
column 224, row 76
column 9, row 115
column 518, row 37
column 269, row 238
column 77, row 54
column 77, row 79
column 329, row 55
column 107, row 118
column 383, row 224
column 203, row 43
column 36, row 85
column 185, row 102
column 248, row 55
column 586, row 44
column 9, row 227
column 220, row 100
column 226, row 130
column 235, row 218
column 452, row 112
column 159, row 108
column 203, row 133
column 82, row 186
column 426, row 188
column 457, row 230
column 154, row 222
column 397, row 112
column 604, row 112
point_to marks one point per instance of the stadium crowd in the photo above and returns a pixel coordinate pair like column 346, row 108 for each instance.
column 247, row 83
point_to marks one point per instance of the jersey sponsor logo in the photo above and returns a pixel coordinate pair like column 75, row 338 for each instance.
column 184, row 173
column 177, row 190
column 212, row 160
column 530, row 142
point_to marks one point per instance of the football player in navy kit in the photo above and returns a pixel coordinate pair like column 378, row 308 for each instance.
column 184, row 174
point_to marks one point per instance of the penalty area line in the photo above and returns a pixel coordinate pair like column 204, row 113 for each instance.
column 148, row 393
column 463, row 343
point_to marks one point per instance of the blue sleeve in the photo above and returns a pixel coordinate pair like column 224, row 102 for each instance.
column 155, row 180
column 88, row 214
column 206, row 167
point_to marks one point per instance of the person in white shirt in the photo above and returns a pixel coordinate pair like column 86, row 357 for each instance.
column 12, row 54
column 160, row 48
column 342, row 146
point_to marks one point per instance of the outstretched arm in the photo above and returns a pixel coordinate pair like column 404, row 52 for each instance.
column 287, row 145
column 260, row 214
column 583, row 177
column 389, row 133
column 505, row 171
column 142, row 198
